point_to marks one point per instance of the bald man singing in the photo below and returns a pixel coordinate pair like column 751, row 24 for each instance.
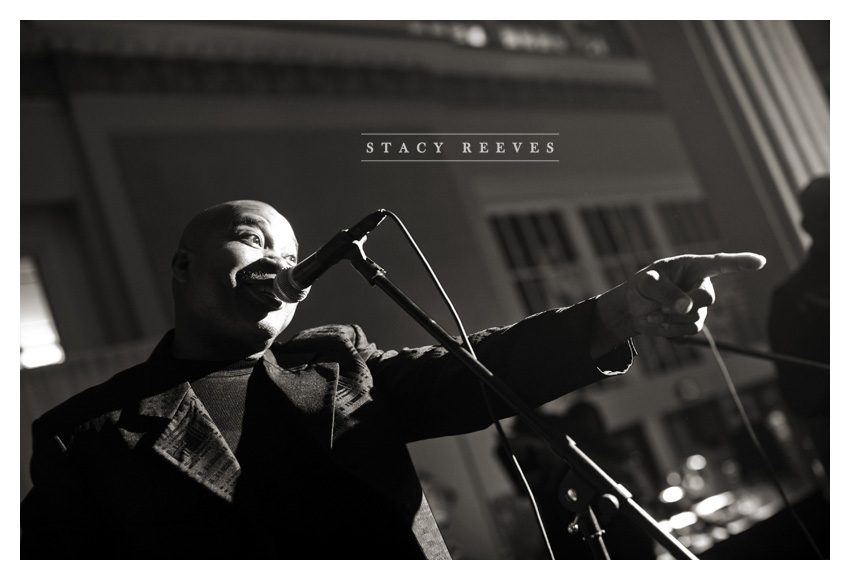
column 226, row 444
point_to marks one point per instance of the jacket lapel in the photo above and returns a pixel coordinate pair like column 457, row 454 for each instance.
column 192, row 443
column 186, row 435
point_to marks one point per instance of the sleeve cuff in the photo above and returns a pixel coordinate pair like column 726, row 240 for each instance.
column 617, row 361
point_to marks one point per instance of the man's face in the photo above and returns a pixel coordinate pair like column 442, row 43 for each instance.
column 231, row 260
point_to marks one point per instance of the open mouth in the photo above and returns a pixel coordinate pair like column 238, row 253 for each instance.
column 263, row 290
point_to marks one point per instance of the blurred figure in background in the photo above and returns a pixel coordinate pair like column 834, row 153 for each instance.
column 799, row 324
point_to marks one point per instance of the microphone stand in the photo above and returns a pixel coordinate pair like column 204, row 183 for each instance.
column 773, row 356
column 586, row 480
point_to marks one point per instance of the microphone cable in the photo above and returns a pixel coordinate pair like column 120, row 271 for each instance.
column 506, row 444
column 502, row 437
column 754, row 438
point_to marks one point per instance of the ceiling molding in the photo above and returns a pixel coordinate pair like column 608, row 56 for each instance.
column 244, row 42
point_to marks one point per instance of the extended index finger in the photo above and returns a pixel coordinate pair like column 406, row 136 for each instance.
column 706, row 266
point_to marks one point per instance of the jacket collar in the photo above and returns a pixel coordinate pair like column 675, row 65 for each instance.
column 190, row 440
column 164, row 396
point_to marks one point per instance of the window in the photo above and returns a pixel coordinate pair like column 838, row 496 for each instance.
column 39, row 338
column 541, row 258
column 692, row 230
column 689, row 225
column 548, row 271
column 621, row 240
column 623, row 245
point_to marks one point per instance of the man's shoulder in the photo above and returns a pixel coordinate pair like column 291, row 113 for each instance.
column 327, row 333
column 100, row 401
column 330, row 341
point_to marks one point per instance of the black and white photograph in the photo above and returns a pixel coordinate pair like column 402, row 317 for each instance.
column 394, row 290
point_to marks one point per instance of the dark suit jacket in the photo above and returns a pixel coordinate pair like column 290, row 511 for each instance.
column 136, row 468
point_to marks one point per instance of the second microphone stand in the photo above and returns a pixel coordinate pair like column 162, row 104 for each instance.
column 586, row 481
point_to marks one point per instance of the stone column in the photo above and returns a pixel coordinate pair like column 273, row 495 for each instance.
column 753, row 116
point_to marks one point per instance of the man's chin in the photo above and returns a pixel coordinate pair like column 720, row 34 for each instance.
column 274, row 323
column 252, row 340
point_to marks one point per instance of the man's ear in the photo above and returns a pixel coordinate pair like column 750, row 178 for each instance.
column 180, row 265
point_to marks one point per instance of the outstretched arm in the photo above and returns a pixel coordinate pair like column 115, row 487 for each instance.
column 547, row 354
column 670, row 297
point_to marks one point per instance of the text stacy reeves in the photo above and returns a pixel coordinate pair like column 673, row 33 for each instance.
column 433, row 148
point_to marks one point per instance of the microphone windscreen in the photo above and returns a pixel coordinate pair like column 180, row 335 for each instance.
column 286, row 290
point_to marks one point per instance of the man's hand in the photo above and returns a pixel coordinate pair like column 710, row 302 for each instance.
column 669, row 297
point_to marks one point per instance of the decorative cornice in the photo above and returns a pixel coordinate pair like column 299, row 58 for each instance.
column 350, row 47
column 167, row 58
column 87, row 74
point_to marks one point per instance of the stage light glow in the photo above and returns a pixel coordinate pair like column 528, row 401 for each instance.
column 716, row 502
column 694, row 482
column 696, row 462
column 672, row 494
column 683, row 520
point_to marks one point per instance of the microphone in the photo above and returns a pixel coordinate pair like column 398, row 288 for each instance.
column 293, row 284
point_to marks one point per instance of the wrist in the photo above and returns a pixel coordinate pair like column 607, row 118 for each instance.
column 611, row 323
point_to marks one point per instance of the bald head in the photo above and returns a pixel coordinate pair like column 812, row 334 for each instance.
column 222, row 277
column 218, row 218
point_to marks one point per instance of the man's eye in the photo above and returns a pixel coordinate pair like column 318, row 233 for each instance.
column 291, row 259
column 253, row 239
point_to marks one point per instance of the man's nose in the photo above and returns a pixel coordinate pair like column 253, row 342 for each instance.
column 276, row 260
